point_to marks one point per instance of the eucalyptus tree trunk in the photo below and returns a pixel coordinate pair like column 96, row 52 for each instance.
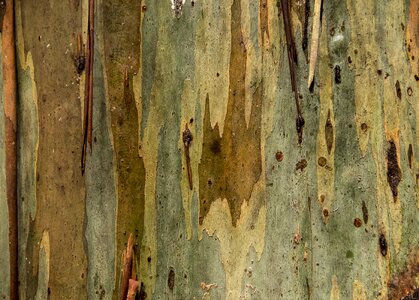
column 235, row 207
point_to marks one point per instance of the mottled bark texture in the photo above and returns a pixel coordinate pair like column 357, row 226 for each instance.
column 251, row 212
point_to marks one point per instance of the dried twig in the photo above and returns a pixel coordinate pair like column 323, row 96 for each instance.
column 10, row 128
column 88, row 99
column 315, row 33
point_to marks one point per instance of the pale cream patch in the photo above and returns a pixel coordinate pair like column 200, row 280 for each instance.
column 325, row 163
column 43, row 267
column 212, row 59
column 335, row 292
column 236, row 241
column 358, row 291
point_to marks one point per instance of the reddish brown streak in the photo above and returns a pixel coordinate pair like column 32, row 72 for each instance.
column 187, row 139
column 292, row 60
column 88, row 99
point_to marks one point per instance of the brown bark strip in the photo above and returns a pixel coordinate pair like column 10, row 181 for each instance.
column 9, row 96
column 292, row 60
column 127, row 267
column 88, row 99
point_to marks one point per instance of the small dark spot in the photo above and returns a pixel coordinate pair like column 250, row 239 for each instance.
column 215, row 147
column 386, row 76
column 209, row 182
column 349, row 254
column 349, row 60
column 325, row 213
column 218, row 74
column 338, row 78
column 410, row 155
column 332, row 31
column 49, row 291
column 322, row 161
column 193, row 3
column 279, row 156
column 311, row 87
column 364, row 127
column 357, row 222
column 299, row 122
column 95, row 140
column 383, row 244
column 144, row 8
column 379, row 72
column 398, row 90
column 149, row 259
column 409, row 91
column 416, row 77
column 402, row 26
column 356, row 51
column 171, row 279
column 38, row 177
column 364, row 212
column 393, row 171
column 301, row 165
column 191, row 121
column 322, row 198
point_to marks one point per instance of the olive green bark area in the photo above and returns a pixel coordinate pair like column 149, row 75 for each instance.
column 121, row 44
column 231, row 165
column 48, row 31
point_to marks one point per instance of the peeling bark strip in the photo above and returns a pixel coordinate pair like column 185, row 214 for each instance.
column 315, row 34
column 127, row 268
column 220, row 176
column 393, row 170
column 132, row 289
column 187, row 139
column 88, row 98
column 10, row 127
column 403, row 285
column 292, row 60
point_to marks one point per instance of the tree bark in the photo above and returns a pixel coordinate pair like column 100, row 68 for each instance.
column 267, row 217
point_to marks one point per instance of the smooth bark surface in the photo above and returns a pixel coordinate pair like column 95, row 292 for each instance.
column 267, row 218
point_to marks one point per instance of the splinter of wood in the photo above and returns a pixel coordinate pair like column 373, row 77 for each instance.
column 314, row 41
column 88, row 99
column 127, row 267
column 132, row 289
column 292, row 60
column 187, row 139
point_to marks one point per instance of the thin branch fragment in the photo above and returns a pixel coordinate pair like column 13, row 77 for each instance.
column 315, row 35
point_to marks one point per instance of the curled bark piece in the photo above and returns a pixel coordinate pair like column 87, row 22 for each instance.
column 132, row 289
column 127, row 266
column 315, row 35
column 10, row 128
